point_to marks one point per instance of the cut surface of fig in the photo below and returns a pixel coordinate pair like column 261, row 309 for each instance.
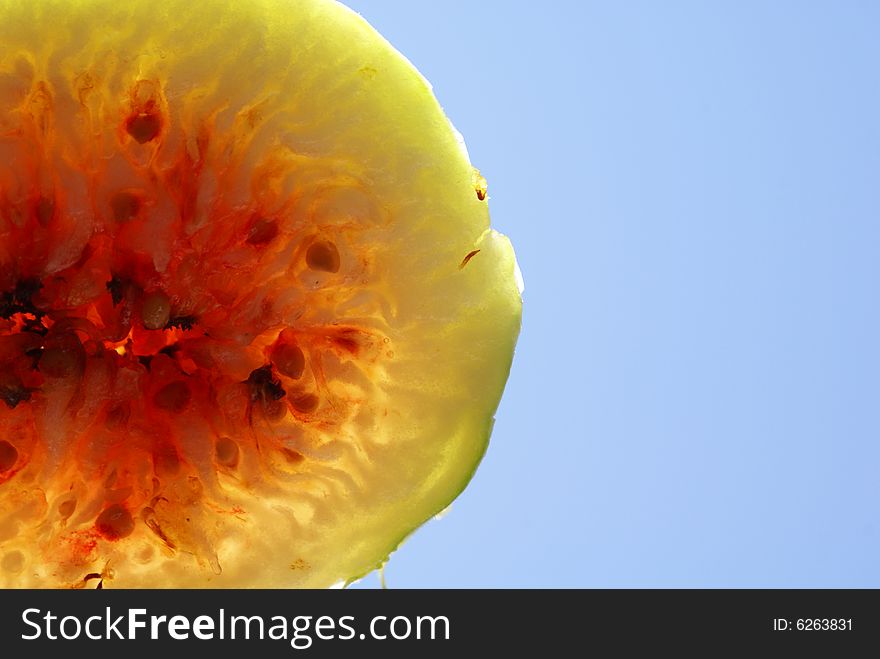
column 238, row 343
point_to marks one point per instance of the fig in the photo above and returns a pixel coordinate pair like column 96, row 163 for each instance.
column 254, row 324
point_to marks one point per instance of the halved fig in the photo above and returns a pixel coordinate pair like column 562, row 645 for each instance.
column 254, row 325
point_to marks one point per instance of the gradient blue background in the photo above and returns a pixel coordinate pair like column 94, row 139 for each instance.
column 693, row 190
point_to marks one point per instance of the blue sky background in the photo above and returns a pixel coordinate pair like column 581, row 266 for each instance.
column 693, row 190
